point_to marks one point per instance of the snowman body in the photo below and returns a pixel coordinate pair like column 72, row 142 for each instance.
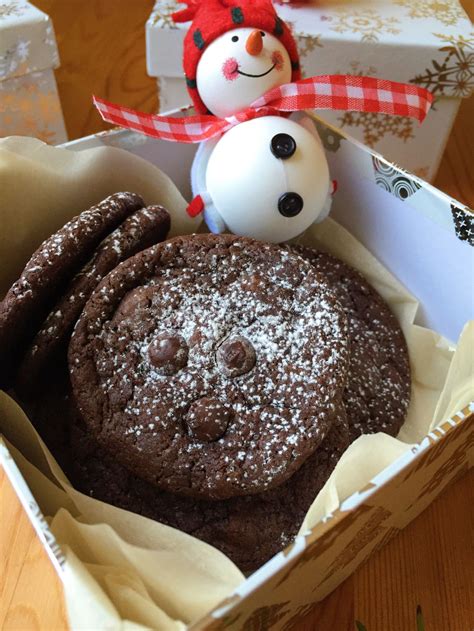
column 268, row 177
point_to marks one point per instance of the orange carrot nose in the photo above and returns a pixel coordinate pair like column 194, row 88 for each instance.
column 254, row 43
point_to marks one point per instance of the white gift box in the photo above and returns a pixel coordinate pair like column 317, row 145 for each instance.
column 424, row 238
column 425, row 42
column 29, row 101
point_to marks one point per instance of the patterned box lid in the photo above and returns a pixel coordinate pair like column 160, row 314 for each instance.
column 27, row 41
column 427, row 42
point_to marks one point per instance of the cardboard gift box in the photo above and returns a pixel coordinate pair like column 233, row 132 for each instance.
column 29, row 101
column 421, row 41
column 135, row 573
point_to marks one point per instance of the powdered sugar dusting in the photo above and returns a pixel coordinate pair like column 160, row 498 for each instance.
column 378, row 387
column 142, row 228
column 54, row 262
column 280, row 410
column 70, row 237
column 124, row 241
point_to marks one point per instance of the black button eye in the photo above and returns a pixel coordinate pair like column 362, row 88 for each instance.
column 168, row 353
column 262, row 33
column 283, row 146
column 290, row 204
column 235, row 38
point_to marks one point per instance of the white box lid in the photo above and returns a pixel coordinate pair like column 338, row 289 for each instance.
column 426, row 42
column 27, row 41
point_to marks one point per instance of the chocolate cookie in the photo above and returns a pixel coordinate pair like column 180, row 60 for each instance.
column 53, row 264
column 378, row 388
column 210, row 365
column 249, row 530
column 143, row 228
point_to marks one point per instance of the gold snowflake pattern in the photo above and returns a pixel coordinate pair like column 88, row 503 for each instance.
column 10, row 8
column 27, row 108
column 454, row 76
column 448, row 12
column 305, row 43
column 376, row 126
column 162, row 15
column 29, row 126
column 14, row 60
column 356, row 69
column 366, row 22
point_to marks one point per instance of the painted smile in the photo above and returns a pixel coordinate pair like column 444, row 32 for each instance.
column 247, row 74
column 231, row 67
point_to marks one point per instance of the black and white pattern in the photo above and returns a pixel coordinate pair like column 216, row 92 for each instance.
column 463, row 223
column 394, row 180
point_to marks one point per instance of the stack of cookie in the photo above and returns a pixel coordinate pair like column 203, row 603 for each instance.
column 208, row 382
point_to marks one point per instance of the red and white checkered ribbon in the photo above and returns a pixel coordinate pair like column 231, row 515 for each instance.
column 324, row 92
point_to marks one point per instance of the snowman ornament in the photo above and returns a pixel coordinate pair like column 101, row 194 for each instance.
column 268, row 177
column 257, row 172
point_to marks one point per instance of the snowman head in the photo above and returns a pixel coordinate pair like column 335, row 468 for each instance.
column 240, row 66
column 235, row 51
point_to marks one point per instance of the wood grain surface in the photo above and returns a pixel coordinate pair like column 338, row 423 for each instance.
column 431, row 563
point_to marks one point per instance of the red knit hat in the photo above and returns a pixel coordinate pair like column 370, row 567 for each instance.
column 212, row 18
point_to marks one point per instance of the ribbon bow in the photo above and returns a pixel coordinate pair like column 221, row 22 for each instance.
column 330, row 92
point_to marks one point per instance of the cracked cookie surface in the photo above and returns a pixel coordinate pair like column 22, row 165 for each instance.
column 210, row 365
column 377, row 392
column 141, row 229
column 51, row 266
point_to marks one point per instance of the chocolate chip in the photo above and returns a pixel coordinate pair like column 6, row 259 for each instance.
column 132, row 302
column 235, row 356
column 207, row 419
column 168, row 353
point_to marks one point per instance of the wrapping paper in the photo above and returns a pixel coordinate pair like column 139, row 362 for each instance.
column 124, row 571
column 29, row 100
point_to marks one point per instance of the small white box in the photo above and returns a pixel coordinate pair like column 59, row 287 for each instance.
column 426, row 239
column 29, row 101
column 423, row 42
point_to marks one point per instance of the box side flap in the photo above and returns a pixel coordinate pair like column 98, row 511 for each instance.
column 409, row 225
column 275, row 575
column 425, row 197
column 27, row 41
column 427, row 43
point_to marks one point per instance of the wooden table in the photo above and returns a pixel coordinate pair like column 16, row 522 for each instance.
column 430, row 563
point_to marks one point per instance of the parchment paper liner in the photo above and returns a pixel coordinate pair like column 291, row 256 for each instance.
column 124, row 571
